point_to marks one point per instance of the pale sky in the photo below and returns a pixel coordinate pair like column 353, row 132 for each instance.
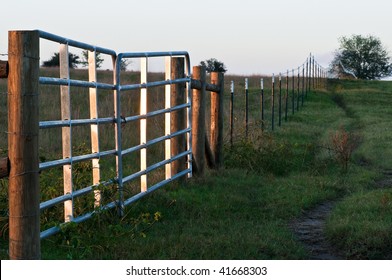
column 249, row 36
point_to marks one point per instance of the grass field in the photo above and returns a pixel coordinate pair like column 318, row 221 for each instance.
column 335, row 147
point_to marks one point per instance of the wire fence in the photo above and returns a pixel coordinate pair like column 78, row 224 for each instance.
column 267, row 102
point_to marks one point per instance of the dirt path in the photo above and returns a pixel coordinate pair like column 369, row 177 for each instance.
column 309, row 229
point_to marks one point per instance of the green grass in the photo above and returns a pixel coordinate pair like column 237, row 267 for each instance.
column 361, row 225
column 243, row 210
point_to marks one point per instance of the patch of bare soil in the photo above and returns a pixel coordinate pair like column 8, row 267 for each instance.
column 309, row 229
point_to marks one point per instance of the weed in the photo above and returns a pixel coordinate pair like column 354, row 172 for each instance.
column 343, row 143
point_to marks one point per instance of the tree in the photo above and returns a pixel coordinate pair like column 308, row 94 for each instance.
column 54, row 61
column 98, row 59
column 365, row 57
column 213, row 65
column 124, row 64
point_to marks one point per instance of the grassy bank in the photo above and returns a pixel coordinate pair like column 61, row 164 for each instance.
column 243, row 211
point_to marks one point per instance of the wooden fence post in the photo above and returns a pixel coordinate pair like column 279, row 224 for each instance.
column 198, row 120
column 178, row 118
column 217, row 78
column 3, row 69
column 23, row 126
column 4, row 162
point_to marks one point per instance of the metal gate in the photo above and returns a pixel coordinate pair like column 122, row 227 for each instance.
column 120, row 121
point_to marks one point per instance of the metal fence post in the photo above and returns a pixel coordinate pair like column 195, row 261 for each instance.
column 280, row 99
column 246, row 107
column 298, row 80
column 273, row 103
column 262, row 103
column 293, row 92
column 23, row 126
column 287, row 96
column 231, row 112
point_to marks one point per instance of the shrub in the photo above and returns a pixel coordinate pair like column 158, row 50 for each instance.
column 343, row 143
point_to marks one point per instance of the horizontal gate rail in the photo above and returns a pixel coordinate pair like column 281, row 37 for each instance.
column 75, row 83
column 73, row 43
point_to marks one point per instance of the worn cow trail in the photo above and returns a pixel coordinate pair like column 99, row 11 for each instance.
column 309, row 229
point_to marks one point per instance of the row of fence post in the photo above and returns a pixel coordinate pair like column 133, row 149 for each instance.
column 310, row 76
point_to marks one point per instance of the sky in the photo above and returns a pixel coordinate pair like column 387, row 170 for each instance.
column 248, row 36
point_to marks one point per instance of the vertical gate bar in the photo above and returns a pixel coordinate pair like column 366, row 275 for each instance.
column 143, row 122
column 66, row 131
column 118, row 133
column 23, row 130
column 189, row 139
column 94, row 129
column 167, row 117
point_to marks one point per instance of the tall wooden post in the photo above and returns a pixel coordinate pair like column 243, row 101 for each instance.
column 23, row 126
column 198, row 120
column 217, row 78
column 178, row 118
